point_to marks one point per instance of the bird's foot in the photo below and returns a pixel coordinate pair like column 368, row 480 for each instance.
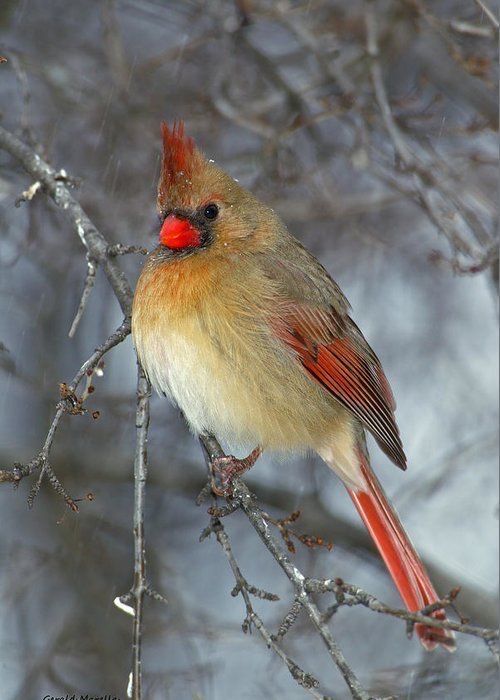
column 229, row 467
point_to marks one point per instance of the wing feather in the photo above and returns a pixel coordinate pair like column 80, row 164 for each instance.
column 335, row 353
column 312, row 319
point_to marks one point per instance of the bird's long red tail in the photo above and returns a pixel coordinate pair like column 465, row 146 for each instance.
column 399, row 555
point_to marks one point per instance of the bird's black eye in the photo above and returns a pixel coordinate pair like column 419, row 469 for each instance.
column 211, row 211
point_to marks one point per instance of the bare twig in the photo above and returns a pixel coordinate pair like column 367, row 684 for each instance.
column 349, row 595
column 287, row 532
column 140, row 474
column 92, row 239
column 402, row 150
column 308, row 682
column 488, row 259
column 20, row 471
column 121, row 249
column 345, row 594
column 284, row 12
column 422, row 177
column 243, row 497
column 140, row 587
column 87, row 290
column 489, row 14
column 47, row 470
column 469, row 29
column 289, row 619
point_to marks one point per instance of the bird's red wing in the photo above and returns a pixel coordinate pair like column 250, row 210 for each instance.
column 333, row 350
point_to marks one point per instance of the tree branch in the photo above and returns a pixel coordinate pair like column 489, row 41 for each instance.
column 489, row 14
column 422, row 177
column 356, row 596
column 92, row 239
column 87, row 290
column 345, row 594
column 242, row 496
column 69, row 403
column 308, row 682
column 140, row 474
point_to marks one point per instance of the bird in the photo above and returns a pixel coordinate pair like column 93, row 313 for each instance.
column 241, row 326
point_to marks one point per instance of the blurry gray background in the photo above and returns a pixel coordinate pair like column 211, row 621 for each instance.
column 280, row 95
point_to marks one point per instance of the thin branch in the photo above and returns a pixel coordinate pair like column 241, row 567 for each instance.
column 140, row 586
column 87, row 290
column 243, row 497
column 67, row 404
column 287, row 532
column 489, row 14
column 47, row 471
column 306, row 680
column 469, row 29
column 488, row 259
column 421, row 176
column 345, row 594
column 289, row 619
column 92, row 239
column 357, row 596
column 331, row 71
column 402, row 150
column 121, row 249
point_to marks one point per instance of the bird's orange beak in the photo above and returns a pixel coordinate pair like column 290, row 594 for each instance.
column 179, row 233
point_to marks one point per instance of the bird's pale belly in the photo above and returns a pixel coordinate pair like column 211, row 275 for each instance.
column 197, row 379
column 243, row 396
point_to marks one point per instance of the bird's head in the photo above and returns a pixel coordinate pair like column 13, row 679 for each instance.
column 200, row 206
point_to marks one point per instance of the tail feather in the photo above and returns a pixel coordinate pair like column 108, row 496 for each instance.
column 399, row 555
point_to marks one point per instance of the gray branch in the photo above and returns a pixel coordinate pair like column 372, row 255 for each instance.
column 54, row 185
column 139, row 587
column 242, row 496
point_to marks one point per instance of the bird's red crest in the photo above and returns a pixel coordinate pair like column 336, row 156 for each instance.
column 178, row 152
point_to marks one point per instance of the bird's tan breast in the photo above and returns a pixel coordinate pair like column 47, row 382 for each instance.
column 212, row 351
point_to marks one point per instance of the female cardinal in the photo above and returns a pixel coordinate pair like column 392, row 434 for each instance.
column 244, row 329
